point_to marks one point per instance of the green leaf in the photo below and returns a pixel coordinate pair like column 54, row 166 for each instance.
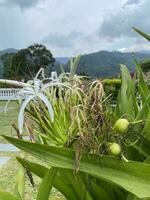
column 46, row 185
column 146, row 129
column 145, row 35
column 142, row 114
column 126, row 102
column 132, row 176
column 77, row 183
column 7, row 196
column 20, row 183
column 143, row 87
column 59, row 182
column 98, row 192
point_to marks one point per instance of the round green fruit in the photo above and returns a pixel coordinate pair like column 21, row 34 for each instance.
column 114, row 149
column 121, row 126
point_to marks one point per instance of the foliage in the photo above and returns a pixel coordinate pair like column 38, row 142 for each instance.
column 76, row 144
column 88, row 135
column 7, row 63
column 111, row 87
column 145, row 65
column 7, row 178
column 25, row 63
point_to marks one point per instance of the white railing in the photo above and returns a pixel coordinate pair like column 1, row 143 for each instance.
column 9, row 93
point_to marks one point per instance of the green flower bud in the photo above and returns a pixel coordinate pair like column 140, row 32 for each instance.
column 114, row 149
column 121, row 126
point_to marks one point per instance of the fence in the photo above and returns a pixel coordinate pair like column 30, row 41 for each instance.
column 9, row 93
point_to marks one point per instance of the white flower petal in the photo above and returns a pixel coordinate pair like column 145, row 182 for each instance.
column 48, row 105
column 55, row 84
column 11, row 82
column 21, row 112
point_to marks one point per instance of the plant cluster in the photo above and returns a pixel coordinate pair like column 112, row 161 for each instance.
column 92, row 150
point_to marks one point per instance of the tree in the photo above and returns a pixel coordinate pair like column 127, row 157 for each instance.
column 7, row 63
column 26, row 62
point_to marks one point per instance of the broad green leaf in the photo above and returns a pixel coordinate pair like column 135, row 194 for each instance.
column 46, row 185
column 126, row 99
column 106, row 168
column 7, row 196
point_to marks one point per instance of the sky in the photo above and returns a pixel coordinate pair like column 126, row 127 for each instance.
column 72, row 27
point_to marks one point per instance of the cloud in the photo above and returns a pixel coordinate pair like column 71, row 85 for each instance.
column 120, row 24
column 73, row 43
column 131, row 2
column 135, row 48
column 63, row 40
column 71, row 27
column 20, row 3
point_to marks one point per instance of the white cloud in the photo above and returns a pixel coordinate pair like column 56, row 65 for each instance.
column 136, row 47
column 121, row 23
column 70, row 27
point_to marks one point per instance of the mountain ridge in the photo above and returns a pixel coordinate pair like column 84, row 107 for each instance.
column 98, row 64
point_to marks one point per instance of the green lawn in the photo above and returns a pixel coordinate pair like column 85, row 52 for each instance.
column 6, row 120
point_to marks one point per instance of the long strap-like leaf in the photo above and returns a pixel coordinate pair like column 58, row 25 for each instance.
column 59, row 182
column 132, row 176
column 145, row 35
column 46, row 185
column 7, row 196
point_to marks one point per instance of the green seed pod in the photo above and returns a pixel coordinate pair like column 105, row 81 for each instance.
column 121, row 126
column 114, row 149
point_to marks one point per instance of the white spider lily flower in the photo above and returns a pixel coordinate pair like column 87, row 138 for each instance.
column 34, row 90
column 26, row 102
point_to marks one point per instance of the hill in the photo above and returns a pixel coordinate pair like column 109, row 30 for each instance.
column 9, row 50
column 99, row 64
column 107, row 64
column 62, row 60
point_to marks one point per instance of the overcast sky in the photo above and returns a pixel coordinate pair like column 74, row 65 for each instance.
column 71, row 27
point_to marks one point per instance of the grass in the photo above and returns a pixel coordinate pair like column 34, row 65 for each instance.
column 7, row 179
column 6, row 120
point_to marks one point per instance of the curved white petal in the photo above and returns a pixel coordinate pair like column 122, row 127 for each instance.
column 55, row 84
column 41, row 71
column 21, row 112
column 54, row 76
column 48, row 105
column 12, row 82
